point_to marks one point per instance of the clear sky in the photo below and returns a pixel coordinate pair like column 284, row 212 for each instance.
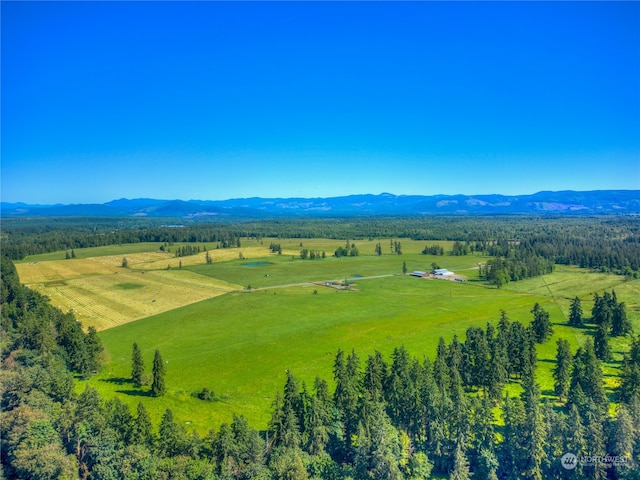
column 216, row 100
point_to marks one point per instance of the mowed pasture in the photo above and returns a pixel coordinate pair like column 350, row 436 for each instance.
column 102, row 294
column 240, row 344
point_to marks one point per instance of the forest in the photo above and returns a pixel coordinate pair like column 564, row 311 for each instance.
column 474, row 410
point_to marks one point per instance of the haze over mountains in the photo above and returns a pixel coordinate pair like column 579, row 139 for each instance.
column 562, row 202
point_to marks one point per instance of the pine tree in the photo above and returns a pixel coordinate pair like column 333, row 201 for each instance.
column 512, row 448
column 595, row 440
column 562, row 370
column 620, row 324
column 378, row 449
column 574, row 437
column 293, row 399
column 533, row 437
column 172, row 436
column 142, row 433
column 137, row 366
column 601, row 313
column 630, row 374
column 575, row 313
column 586, row 380
column 601, row 344
column 541, row 325
column 375, row 374
column 159, row 371
column 317, row 429
column 460, row 463
column 346, row 396
column 441, row 372
column 517, row 347
column 290, row 436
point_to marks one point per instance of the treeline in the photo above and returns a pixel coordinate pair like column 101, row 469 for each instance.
column 395, row 418
column 609, row 243
column 516, row 266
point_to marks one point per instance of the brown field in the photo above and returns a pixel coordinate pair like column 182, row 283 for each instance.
column 102, row 294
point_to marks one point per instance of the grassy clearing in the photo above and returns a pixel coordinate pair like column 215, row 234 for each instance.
column 241, row 344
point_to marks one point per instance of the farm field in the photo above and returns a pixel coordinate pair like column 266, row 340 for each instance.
column 240, row 344
column 102, row 294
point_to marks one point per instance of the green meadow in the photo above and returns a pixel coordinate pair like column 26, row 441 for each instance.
column 240, row 344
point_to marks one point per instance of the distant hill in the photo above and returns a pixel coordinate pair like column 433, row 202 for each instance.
column 564, row 202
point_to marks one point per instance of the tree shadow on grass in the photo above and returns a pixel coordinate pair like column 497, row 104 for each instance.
column 117, row 380
column 135, row 393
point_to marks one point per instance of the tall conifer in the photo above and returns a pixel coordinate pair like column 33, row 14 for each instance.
column 159, row 371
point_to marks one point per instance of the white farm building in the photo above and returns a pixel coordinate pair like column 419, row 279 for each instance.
column 442, row 272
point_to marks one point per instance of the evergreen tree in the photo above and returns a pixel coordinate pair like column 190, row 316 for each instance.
column 460, row 463
column 378, row 449
column 620, row 324
column 574, row 437
column 137, row 366
column 534, row 435
column 289, row 436
column 375, row 375
column 441, row 372
column 575, row 313
column 346, row 397
column 586, row 380
column 594, row 417
column 142, row 432
column 541, row 325
column 601, row 344
column 293, row 399
column 517, row 347
column 317, row 427
column 601, row 313
column 630, row 374
column 483, row 435
column 513, row 456
column 119, row 419
column 172, row 436
column 476, row 356
column 622, row 436
column 159, row 371
column 562, row 370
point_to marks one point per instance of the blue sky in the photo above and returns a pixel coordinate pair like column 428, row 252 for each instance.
column 216, row 100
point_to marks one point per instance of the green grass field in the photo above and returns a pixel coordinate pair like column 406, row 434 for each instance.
column 240, row 344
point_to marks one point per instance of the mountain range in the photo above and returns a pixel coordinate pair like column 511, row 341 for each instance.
column 561, row 202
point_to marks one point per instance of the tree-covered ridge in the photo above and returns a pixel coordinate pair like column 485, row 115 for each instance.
column 392, row 418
